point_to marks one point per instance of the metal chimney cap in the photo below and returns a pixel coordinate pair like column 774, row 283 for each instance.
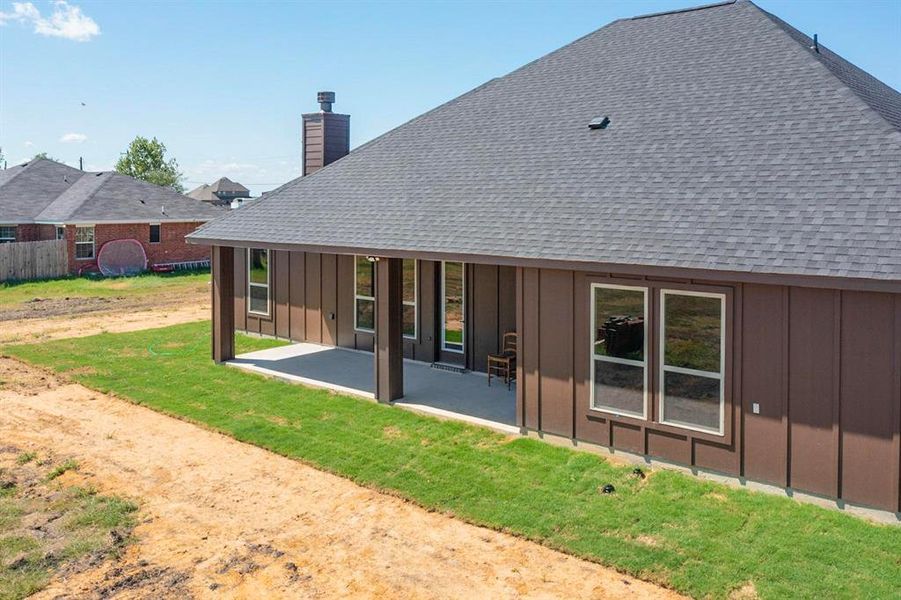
column 325, row 100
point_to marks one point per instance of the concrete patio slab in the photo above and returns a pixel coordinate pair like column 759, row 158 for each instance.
column 460, row 396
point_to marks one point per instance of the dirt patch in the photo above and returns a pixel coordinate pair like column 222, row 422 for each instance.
column 133, row 319
column 745, row 592
column 40, row 308
column 13, row 378
column 50, row 523
column 54, row 318
column 221, row 518
column 45, row 308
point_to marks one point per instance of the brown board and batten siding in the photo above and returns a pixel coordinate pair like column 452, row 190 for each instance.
column 312, row 300
column 823, row 367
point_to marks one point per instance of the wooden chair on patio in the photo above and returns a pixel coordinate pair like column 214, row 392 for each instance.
column 504, row 364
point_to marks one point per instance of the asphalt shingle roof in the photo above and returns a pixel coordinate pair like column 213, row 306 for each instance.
column 226, row 185
column 732, row 146
column 27, row 189
column 45, row 191
column 115, row 197
column 210, row 192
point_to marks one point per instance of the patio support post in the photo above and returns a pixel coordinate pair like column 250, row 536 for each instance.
column 223, row 289
column 389, row 350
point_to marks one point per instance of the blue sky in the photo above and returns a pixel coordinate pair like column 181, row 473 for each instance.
column 223, row 84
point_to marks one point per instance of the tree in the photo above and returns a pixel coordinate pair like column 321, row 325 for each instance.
column 146, row 159
column 47, row 156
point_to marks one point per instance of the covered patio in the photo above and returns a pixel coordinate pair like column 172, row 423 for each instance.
column 461, row 396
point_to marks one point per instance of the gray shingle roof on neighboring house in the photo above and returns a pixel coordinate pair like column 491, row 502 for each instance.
column 113, row 197
column 227, row 186
column 27, row 189
column 45, row 191
column 732, row 146
column 222, row 187
column 201, row 192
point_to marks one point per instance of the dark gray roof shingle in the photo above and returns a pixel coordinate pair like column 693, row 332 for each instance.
column 227, row 186
column 731, row 147
column 27, row 189
column 114, row 197
column 45, row 191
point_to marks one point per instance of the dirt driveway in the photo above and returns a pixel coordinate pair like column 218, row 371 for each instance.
column 221, row 518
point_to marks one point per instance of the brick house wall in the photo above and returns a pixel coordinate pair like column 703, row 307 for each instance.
column 30, row 232
column 172, row 246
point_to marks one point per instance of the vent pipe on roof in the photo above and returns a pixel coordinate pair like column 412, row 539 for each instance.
column 325, row 100
column 816, row 44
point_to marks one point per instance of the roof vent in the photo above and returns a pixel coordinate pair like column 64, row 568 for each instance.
column 325, row 100
column 599, row 123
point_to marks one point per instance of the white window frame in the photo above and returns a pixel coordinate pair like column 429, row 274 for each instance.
column 93, row 242
column 9, row 240
column 444, row 347
column 414, row 303
column 254, row 284
column 663, row 368
column 614, row 359
column 358, row 297
column 149, row 238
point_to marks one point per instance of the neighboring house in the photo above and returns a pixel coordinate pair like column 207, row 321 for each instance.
column 691, row 219
column 45, row 200
column 221, row 193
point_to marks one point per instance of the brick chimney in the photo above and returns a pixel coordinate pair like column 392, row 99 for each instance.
column 326, row 135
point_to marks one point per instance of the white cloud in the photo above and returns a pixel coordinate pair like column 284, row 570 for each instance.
column 67, row 21
column 29, row 143
column 73, row 138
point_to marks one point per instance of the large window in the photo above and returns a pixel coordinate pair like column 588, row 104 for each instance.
column 692, row 362
column 258, row 281
column 84, row 242
column 619, row 370
column 7, row 233
column 453, row 290
column 364, row 294
column 409, row 323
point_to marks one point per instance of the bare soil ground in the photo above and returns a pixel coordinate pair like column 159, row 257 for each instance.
column 221, row 518
column 120, row 317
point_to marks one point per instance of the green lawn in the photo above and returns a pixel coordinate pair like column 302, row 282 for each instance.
column 84, row 287
column 698, row 537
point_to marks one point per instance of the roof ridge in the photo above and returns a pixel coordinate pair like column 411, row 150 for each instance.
column 819, row 57
column 60, row 201
column 682, row 10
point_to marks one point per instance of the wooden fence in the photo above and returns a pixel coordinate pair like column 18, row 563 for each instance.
column 33, row 260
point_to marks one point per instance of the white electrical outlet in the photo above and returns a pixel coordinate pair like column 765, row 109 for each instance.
column 755, row 408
